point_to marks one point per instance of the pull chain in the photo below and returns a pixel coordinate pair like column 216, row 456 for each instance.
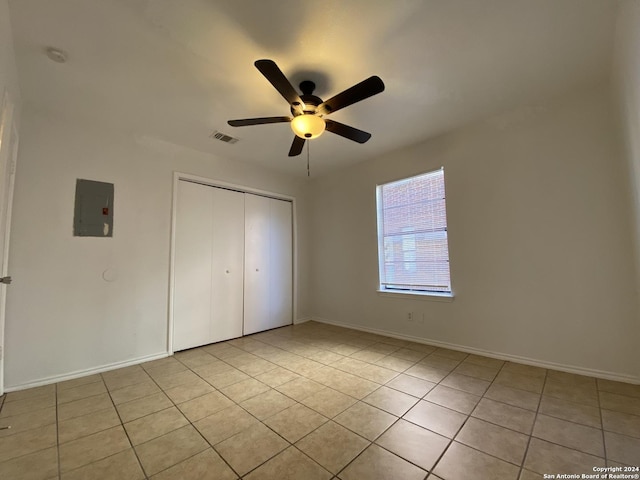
column 308, row 169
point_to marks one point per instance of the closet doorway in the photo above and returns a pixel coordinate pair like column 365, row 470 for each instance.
column 232, row 262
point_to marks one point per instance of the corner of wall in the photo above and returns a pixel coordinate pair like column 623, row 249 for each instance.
column 626, row 93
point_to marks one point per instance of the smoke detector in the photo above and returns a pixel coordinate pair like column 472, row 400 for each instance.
column 57, row 55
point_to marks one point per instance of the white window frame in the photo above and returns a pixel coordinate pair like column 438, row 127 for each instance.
column 385, row 291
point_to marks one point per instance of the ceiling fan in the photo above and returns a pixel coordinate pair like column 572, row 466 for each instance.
column 308, row 111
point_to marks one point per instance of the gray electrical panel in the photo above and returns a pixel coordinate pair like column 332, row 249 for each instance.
column 93, row 214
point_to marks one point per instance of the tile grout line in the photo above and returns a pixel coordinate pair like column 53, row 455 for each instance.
column 604, row 442
column 439, row 383
column 530, row 435
column 175, row 405
column 516, row 406
column 521, row 466
column 248, row 412
column 135, row 452
column 304, row 436
column 401, row 417
column 57, row 433
column 260, row 421
column 329, row 419
column 372, row 442
column 300, row 403
column 542, row 395
column 291, row 445
column 433, row 467
column 108, row 392
column 533, row 425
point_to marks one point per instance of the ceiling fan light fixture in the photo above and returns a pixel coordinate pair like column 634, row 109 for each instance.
column 307, row 126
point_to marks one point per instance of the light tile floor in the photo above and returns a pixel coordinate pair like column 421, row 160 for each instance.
column 315, row 401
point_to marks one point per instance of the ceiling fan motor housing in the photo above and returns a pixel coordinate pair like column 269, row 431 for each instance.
column 309, row 101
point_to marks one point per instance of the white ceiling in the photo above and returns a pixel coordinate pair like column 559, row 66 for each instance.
column 175, row 70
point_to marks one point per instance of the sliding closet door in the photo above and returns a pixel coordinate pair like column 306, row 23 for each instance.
column 192, row 266
column 227, row 272
column 281, row 263
column 268, row 299
column 208, row 278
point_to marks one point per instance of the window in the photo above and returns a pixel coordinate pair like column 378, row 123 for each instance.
column 412, row 235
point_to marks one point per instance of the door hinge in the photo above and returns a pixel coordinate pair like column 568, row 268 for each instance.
column 6, row 280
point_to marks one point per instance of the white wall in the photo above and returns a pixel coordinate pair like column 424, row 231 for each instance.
column 626, row 82
column 539, row 231
column 62, row 316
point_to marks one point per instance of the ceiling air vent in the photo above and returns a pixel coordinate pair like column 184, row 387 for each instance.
column 223, row 137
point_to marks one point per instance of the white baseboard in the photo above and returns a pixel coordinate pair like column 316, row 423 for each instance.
column 84, row 373
column 300, row 320
column 487, row 353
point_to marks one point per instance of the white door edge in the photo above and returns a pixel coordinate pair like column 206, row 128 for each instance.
column 8, row 159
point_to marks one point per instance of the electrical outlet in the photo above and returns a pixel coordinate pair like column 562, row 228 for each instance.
column 409, row 316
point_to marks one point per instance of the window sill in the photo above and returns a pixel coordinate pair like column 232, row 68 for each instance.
column 432, row 296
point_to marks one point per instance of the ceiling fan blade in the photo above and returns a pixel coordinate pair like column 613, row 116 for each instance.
column 257, row 121
column 270, row 70
column 296, row 146
column 365, row 89
column 346, row 131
